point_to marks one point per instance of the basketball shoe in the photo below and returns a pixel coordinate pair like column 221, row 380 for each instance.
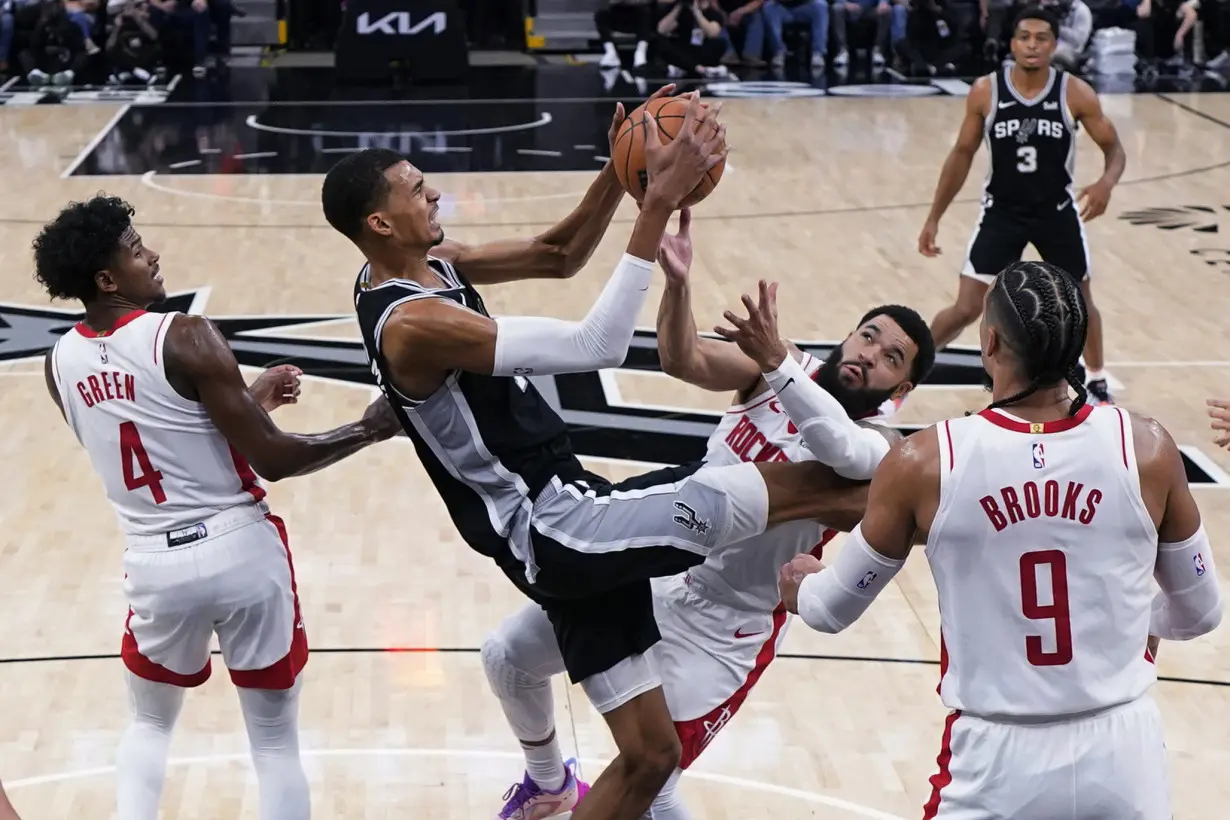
column 1099, row 391
column 527, row 801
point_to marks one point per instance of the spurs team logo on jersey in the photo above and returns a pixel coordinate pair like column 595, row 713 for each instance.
column 689, row 520
column 1023, row 129
column 600, row 425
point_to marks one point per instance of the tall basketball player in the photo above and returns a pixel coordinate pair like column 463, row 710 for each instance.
column 1047, row 522
column 159, row 404
column 1028, row 114
column 502, row 460
column 721, row 622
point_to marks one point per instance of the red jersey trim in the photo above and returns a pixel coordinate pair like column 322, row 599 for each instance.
column 90, row 333
column 1000, row 419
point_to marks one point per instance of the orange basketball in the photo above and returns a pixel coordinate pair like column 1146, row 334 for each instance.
column 628, row 154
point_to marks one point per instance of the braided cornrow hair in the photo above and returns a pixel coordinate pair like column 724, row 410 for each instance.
column 1041, row 313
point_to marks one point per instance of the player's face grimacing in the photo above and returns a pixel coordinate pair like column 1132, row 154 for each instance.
column 1033, row 43
column 412, row 207
column 133, row 273
column 871, row 366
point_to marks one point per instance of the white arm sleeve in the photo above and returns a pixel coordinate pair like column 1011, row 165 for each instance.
column 1190, row 603
column 836, row 597
column 853, row 451
column 528, row 345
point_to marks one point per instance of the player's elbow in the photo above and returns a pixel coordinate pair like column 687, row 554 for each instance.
column 609, row 359
column 559, row 262
column 1210, row 621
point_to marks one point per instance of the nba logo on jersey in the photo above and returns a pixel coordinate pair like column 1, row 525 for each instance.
column 1198, row 559
column 102, row 352
column 1039, row 458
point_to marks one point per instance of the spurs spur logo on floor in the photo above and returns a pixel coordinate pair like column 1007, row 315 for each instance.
column 600, row 422
column 1201, row 219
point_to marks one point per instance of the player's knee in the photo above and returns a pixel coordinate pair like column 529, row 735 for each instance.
column 653, row 758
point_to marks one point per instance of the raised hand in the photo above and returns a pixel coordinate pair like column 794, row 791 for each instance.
column 677, row 167
column 757, row 335
column 791, row 577
column 277, row 386
column 675, row 250
column 617, row 121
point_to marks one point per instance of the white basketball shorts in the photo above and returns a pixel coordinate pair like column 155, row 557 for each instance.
column 230, row 575
column 710, row 656
column 1108, row 765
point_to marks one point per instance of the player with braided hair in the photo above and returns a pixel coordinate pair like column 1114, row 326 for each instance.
column 1046, row 522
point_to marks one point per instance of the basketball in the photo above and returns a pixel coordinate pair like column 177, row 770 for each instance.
column 628, row 154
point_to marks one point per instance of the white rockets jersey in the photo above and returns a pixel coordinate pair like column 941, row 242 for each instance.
column 1043, row 553
column 164, row 465
column 745, row 574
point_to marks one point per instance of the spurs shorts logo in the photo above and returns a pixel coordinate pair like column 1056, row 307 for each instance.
column 689, row 520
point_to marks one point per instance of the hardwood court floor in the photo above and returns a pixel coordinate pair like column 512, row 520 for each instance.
column 825, row 196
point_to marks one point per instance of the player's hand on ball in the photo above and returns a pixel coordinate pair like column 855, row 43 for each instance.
column 675, row 250
column 677, row 167
column 757, row 335
column 618, row 120
column 791, row 577
column 380, row 421
column 277, row 386
column 1219, row 411
column 926, row 239
column 1096, row 197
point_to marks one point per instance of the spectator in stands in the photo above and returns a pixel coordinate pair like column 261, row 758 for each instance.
column 890, row 22
column 691, row 39
column 744, row 31
column 83, row 13
column 184, row 19
column 1075, row 29
column 934, row 43
column 6, row 34
column 133, row 50
column 1164, row 27
column 634, row 17
column 1217, row 33
column 56, row 52
column 813, row 13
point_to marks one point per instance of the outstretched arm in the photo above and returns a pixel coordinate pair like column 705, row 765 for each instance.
column 1085, row 108
column 197, row 354
column 559, row 252
column 830, row 599
column 957, row 165
column 833, row 437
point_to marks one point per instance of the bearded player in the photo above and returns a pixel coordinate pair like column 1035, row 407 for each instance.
column 1028, row 114
column 722, row 621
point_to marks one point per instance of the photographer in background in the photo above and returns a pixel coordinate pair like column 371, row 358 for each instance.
column 1075, row 29
column 691, row 39
column 133, row 49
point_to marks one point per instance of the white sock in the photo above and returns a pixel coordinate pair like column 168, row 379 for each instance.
column 1093, row 375
column 141, row 761
column 668, row 805
column 272, row 718
column 545, row 765
column 609, row 48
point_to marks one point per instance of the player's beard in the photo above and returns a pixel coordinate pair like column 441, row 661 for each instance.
column 858, row 402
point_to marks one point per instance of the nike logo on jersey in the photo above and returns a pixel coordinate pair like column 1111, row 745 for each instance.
column 1050, row 106
column 739, row 633
column 1061, row 205
column 1008, row 104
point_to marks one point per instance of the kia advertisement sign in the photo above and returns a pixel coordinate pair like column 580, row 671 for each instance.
column 422, row 41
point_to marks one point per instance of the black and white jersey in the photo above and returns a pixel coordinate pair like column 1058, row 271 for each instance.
column 1032, row 145
column 489, row 443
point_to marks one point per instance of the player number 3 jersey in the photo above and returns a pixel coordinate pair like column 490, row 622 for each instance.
column 163, row 463
column 1043, row 554
column 1032, row 145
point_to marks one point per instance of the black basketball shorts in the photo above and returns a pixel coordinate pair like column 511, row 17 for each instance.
column 1001, row 235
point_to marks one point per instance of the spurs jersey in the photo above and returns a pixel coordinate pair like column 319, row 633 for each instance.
column 1032, row 145
column 745, row 574
column 162, row 462
column 1043, row 553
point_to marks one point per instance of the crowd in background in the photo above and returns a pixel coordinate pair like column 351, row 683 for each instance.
column 72, row 42
column 918, row 37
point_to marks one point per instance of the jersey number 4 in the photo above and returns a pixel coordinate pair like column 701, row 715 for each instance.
column 1056, row 611
column 134, row 457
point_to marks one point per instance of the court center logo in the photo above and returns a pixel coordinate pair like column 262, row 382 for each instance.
column 600, row 422
column 1205, row 220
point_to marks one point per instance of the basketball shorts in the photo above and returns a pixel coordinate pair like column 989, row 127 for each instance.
column 1001, row 235
column 1108, row 765
column 230, row 575
column 596, row 545
column 710, row 656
